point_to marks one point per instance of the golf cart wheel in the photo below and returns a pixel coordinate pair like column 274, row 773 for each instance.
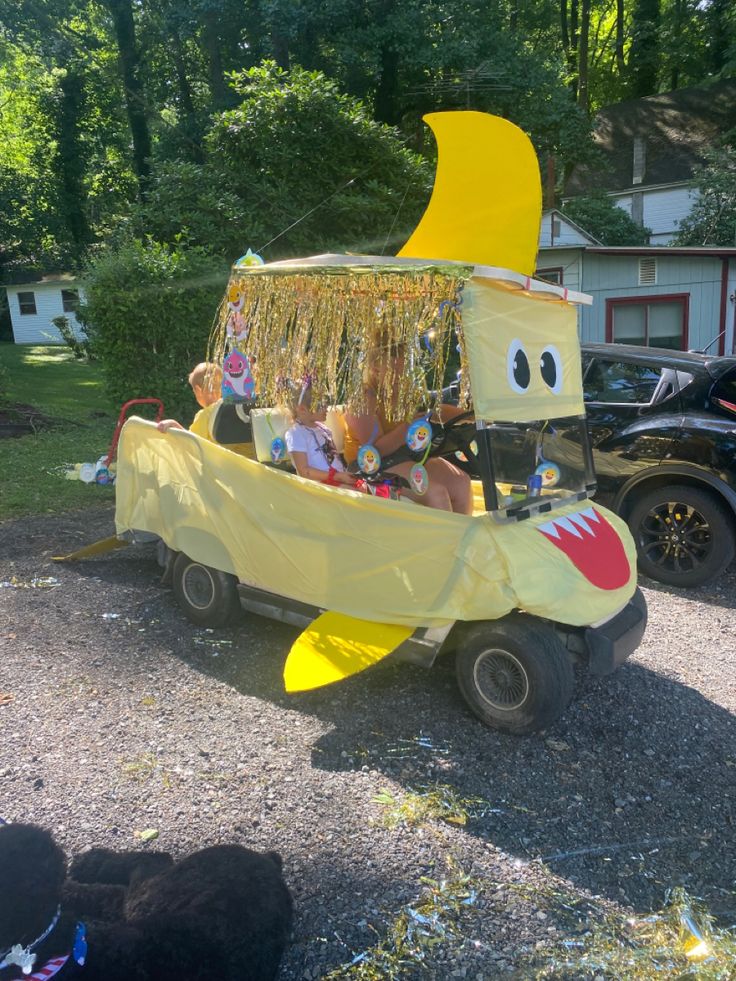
column 515, row 674
column 684, row 535
column 208, row 597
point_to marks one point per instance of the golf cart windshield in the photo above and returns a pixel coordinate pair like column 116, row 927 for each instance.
column 537, row 466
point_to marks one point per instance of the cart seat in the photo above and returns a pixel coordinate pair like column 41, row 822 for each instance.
column 266, row 425
column 231, row 423
column 335, row 422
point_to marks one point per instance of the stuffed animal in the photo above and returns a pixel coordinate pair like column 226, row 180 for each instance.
column 223, row 912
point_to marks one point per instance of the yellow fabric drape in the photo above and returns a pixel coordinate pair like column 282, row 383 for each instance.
column 384, row 561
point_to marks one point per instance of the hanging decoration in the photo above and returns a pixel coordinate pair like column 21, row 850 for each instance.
column 419, row 435
column 343, row 326
column 369, row 459
column 250, row 259
column 419, row 479
column 237, row 378
column 278, row 450
column 549, row 472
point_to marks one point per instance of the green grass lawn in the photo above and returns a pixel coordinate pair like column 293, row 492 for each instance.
column 72, row 392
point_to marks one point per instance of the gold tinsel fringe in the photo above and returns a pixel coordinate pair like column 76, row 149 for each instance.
column 321, row 325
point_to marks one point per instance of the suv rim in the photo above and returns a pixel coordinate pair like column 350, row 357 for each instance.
column 198, row 586
column 500, row 680
column 675, row 537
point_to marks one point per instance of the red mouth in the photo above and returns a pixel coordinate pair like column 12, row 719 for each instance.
column 592, row 546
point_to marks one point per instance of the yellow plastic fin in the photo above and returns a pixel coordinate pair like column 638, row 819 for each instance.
column 486, row 205
column 335, row 646
column 96, row 548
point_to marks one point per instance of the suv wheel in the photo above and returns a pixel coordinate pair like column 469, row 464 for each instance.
column 684, row 535
column 208, row 597
column 515, row 674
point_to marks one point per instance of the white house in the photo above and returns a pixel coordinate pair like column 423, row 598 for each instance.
column 33, row 306
column 649, row 150
column 561, row 244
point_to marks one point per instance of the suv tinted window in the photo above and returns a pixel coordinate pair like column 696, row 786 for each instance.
column 617, row 381
column 724, row 391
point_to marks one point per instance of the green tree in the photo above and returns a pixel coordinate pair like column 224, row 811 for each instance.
column 712, row 220
column 605, row 221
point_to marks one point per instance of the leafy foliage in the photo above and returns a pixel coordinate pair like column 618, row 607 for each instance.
column 79, row 346
column 297, row 143
column 598, row 215
column 148, row 310
column 712, row 220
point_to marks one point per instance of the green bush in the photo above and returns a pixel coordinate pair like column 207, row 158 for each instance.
column 194, row 200
column 148, row 311
column 296, row 140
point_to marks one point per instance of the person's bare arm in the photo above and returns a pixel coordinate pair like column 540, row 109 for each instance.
column 301, row 466
column 166, row 424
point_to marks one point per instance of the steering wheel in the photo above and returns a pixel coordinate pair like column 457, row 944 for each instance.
column 462, row 417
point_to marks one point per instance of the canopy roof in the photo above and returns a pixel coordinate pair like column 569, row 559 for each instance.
column 319, row 319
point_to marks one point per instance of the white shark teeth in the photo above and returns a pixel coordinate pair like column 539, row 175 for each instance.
column 574, row 524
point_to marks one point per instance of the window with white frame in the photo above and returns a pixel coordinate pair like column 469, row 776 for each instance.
column 70, row 300
column 27, row 303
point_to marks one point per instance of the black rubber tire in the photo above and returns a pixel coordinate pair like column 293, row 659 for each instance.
column 515, row 674
column 207, row 596
column 706, row 541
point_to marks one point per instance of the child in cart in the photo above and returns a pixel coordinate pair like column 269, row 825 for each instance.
column 206, row 382
column 309, row 441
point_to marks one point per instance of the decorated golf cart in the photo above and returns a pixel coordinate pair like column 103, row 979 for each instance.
column 534, row 580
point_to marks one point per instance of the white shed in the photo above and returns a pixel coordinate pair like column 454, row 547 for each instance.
column 33, row 306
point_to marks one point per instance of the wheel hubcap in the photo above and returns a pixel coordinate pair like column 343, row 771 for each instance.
column 501, row 680
column 675, row 537
column 198, row 586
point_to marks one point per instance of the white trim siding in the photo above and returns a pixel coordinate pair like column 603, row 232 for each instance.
column 37, row 328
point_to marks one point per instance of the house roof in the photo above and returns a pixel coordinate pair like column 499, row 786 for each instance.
column 553, row 213
column 677, row 128
column 61, row 279
column 663, row 250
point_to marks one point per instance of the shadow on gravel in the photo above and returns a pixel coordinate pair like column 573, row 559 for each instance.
column 631, row 793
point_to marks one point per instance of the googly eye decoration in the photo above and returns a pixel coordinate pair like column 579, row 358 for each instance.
column 369, row 459
column 517, row 367
column 550, row 367
column 419, row 435
column 549, row 472
column 278, row 450
column 419, row 479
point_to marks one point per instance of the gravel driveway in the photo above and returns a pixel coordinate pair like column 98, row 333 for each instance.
column 125, row 717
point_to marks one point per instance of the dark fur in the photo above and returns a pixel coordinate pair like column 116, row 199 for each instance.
column 222, row 913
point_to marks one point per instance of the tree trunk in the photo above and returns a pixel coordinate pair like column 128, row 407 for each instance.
column 280, row 48
column 583, row 101
column 388, row 84
column 187, row 102
column 69, row 155
column 135, row 103
column 569, row 31
column 644, row 57
column 211, row 38
column 620, row 15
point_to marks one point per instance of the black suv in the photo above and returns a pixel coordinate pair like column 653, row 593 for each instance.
column 663, row 428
